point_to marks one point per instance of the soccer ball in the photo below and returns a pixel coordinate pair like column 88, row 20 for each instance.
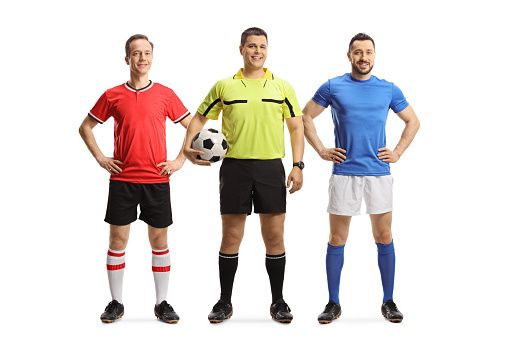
column 212, row 142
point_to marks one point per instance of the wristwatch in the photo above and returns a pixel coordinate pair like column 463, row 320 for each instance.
column 299, row 164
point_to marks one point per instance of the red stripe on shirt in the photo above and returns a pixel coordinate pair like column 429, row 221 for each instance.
column 161, row 269
column 115, row 267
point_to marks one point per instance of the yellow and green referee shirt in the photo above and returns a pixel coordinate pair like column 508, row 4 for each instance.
column 253, row 114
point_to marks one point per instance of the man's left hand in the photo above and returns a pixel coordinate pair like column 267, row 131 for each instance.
column 295, row 179
column 386, row 155
column 170, row 167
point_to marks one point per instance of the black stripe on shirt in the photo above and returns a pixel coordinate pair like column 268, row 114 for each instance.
column 235, row 102
column 274, row 101
column 290, row 107
column 210, row 107
column 99, row 121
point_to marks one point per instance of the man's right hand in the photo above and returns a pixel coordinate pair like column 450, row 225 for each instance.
column 191, row 154
column 333, row 154
column 110, row 164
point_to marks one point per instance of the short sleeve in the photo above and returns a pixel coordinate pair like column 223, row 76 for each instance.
column 291, row 106
column 175, row 110
column 398, row 102
column 212, row 104
column 322, row 95
column 101, row 110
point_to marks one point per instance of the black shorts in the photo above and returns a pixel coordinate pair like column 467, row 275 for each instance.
column 244, row 182
column 154, row 201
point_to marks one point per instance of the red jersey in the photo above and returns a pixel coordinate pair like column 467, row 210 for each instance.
column 140, row 128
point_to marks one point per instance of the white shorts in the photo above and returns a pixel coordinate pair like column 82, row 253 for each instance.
column 346, row 193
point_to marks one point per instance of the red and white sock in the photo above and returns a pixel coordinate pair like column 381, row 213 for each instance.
column 115, row 264
column 161, row 269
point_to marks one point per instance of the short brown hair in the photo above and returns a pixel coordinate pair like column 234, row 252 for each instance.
column 252, row 31
column 360, row 36
column 136, row 37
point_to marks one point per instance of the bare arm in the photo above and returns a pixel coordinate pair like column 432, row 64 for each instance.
column 109, row 164
column 195, row 125
column 296, row 129
column 311, row 111
column 170, row 167
column 412, row 125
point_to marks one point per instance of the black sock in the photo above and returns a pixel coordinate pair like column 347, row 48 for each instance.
column 275, row 265
column 227, row 268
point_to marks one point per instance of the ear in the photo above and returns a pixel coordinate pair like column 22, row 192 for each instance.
column 240, row 49
column 349, row 56
column 127, row 60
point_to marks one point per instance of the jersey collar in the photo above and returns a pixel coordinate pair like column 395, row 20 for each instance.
column 267, row 75
column 141, row 89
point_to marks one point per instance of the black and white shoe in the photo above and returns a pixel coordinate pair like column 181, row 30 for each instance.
column 391, row 312
column 112, row 312
column 165, row 312
column 332, row 311
column 221, row 311
column 281, row 312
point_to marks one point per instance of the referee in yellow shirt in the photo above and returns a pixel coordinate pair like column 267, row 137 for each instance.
column 255, row 104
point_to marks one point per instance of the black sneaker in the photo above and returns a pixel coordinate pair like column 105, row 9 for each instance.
column 112, row 312
column 391, row 312
column 221, row 311
column 165, row 312
column 281, row 312
column 332, row 311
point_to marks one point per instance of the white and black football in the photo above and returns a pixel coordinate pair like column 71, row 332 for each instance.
column 212, row 143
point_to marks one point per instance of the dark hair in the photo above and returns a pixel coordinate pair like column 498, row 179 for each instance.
column 360, row 36
column 136, row 37
column 251, row 31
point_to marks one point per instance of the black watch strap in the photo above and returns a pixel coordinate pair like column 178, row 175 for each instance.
column 299, row 164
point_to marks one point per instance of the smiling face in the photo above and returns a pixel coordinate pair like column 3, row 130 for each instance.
column 254, row 52
column 140, row 57
column 362, row 58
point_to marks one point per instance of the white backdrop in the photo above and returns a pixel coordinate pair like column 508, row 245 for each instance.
column 450, row 233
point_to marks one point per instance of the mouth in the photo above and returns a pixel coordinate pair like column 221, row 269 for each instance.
column 363, row 64
column 256, row 58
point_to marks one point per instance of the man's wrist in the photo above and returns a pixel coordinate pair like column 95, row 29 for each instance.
column 299, row 164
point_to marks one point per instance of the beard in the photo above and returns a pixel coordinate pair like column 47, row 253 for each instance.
column 361, row 71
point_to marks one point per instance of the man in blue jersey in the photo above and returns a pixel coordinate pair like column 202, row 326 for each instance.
column 359, row 105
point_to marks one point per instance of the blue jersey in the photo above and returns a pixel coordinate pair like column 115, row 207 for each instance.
column 359, row 112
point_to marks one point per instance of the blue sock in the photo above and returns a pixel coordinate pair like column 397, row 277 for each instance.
column 387, row 264
column 333, row 265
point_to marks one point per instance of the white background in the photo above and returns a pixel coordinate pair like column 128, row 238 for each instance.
column 450, row 230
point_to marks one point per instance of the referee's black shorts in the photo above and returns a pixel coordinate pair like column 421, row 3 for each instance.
column 154, row 201
column 244, row 182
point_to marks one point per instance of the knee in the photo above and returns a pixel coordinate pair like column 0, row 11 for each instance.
column 273, row 239
column 158, row 241
column 117, row 242
column 384, row 237
column 231, row 239
column 337, row 239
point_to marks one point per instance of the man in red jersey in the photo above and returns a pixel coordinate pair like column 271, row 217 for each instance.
column 139, row 170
